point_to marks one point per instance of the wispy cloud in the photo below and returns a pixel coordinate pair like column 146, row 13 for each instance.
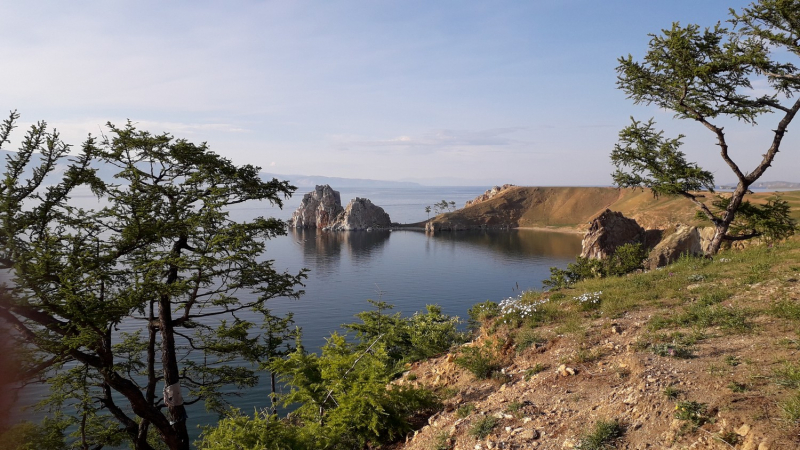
column 444, row 139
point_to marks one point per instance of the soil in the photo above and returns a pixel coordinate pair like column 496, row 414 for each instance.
column 732, row 374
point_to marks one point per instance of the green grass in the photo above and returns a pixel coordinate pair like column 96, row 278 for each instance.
column 465, row 410
column 602, row 436
column 483, row 426
column 537, row 368
column 692, row 412
column 788, row 375
column 790, row 408
column 526, row 338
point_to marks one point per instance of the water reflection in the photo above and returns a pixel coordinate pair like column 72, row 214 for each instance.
column 324, row 250
column 534, row 243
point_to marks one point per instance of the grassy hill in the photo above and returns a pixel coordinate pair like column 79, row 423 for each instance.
column 574, row 207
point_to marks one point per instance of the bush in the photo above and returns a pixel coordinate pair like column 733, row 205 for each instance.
column 602, row 436
column 481, row 361
column 481, row 312
column 483, row 426
column 625, row 259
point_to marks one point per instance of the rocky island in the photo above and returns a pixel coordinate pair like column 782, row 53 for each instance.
column 322, row 209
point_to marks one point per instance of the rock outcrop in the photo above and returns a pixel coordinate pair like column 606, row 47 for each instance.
column 322, row 209
column 608, row 231
column 318, row 209
column 685, row 240
column 487, row 195
column 361, row 214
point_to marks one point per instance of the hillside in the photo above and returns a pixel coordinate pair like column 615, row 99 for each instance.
column 702, row 354
column 574, row 207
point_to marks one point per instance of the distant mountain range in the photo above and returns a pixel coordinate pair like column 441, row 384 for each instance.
column 337, row 182
column 766, row 185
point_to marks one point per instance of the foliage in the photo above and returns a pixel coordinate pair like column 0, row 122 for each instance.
column 408, row 339
column 30, row 436
column 602, row 436
column 159, row 251
column 481, row 312
column 707, row 75
column 692, row 412
column 465, row 410
column 261, row 432
column 483, row 426
column 771, row 221
column 341, row 395
column 625, row 259
column 441, row 207
column 481, row 360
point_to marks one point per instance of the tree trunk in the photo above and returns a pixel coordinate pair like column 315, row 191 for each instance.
column 721, row 228
column 179, row 439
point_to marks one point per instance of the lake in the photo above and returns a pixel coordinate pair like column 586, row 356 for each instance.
column 408, row 269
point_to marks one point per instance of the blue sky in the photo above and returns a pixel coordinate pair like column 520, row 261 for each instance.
column 457, row 92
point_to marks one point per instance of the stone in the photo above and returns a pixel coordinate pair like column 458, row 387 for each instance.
column 318, row 209
column 608, row 231
column 529, row 435
column 685, row 240
column 742, row 430
column 706, row 235
column 565, row 371
column 361, row 214
column 487, row 195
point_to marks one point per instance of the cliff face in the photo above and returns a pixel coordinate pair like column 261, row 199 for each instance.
column 317, row 209
column 361, row 214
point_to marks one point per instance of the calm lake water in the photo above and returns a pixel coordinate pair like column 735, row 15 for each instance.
column 409, row 269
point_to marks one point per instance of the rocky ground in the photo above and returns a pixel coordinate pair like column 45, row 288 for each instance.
column 728, row 391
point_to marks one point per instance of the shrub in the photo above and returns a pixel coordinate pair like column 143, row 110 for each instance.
column 479, row 360
column 465, row 410
column 692, row 412
column 527, row 338
column 481, row 312
column 625, row 259
column 483, row 426
column 602, row 436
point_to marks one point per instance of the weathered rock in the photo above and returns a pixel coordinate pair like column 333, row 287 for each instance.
column 685, row 240
column 608, row 231
column 318, row 209
column 706, row 235
column 361, row 214
column 487, row 195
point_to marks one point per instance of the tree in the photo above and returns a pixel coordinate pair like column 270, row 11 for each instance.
column 159, row 257
column 705, row 76
column 428, row 210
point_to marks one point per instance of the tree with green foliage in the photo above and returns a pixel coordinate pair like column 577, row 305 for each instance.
column 706, row 75
column 158, row 256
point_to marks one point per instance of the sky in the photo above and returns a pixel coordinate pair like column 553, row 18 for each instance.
column 437, row 92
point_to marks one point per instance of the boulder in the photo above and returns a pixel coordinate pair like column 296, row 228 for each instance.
column 685, row 240
column 318, row 209
column 361, row 214
column 608, row 231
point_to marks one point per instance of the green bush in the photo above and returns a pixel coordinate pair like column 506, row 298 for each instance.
column 481, row 361
column 625, row 259
column 483, row 426
column 602, row 436
column 481, row 312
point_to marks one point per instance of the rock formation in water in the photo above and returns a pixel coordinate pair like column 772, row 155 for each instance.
column 487, row 195
column 322, row 209
column 685, row 240
column 608, row 231
column 318, row 209
column 361, row 214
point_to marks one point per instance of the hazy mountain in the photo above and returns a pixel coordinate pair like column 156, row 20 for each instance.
column 766, row 185
column 337, row 182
